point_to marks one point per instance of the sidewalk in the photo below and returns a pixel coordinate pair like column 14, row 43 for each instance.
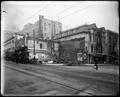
column 103, row 68
column 111, row 69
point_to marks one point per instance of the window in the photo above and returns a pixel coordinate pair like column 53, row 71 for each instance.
column 91, row 30
column 37, row 42
column 49, row 24
column 12, row 41
column 91, row 48
column 94, row 39
column 95, row 49
column 45, row 34
column 40, row 45
column 86, row 49
column 44, row 26
column 90, row 38
column 60, row 26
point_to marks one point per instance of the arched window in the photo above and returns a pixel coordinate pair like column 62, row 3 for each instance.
column 40, row 45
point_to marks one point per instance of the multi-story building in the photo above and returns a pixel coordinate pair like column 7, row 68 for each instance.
column 100, row 44
column 79, row 42
column 44, row 28
column 41, row 49
column 84, row 43
column 10, row 43
column 112, row 46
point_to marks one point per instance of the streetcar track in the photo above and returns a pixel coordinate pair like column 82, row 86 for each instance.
column 68, row 73
column 60, row 83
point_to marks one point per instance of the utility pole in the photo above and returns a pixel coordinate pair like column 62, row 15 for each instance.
column 34, row 43
column 40, row 26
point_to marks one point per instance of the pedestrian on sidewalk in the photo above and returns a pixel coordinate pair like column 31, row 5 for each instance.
column 96, row 63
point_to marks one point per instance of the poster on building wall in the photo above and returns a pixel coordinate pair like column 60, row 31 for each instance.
column 42, row 57
column 56, row 46
column 30, row 44
column 79, row 56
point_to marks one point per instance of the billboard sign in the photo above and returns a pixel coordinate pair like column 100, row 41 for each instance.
column 79, row 56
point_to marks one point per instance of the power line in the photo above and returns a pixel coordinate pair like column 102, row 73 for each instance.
column 66, row 9
column 58, row 13
column 76, row 11
column 69, row 8
column 61, row 11
column 37, row 12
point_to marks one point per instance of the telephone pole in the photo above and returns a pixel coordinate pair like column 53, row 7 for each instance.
column 34, row 43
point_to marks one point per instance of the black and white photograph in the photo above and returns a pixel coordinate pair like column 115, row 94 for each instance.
column 60, row 48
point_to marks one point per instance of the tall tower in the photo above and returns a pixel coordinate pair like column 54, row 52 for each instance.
column 40, row 26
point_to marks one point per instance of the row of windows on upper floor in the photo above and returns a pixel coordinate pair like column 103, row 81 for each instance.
column 45, row 27
column 94, row 49
column 113, row 39
column 10, row 42
column 66, row 33
column 70, row 32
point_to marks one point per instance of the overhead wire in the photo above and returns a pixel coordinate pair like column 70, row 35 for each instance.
column 65, row 10
column 69, row 8
column 53, row 16
column 37, row 12
column 61, row 11
column 76, row 11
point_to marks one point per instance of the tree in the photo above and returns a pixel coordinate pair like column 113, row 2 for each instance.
column 21, row 55
column 8, row 55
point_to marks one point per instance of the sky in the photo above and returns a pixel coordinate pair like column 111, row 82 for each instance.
column 70, row 13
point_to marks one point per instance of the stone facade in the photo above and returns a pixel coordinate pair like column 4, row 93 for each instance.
column 10, row 44
column 44, row 49
column 98, row 42
column 82, row 37
column 44, row 28
column 112, row 46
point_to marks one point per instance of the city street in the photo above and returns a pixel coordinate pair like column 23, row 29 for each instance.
column 55, row 48
column 28, row 79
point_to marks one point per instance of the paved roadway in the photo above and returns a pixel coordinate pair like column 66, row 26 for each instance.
column 81, row 82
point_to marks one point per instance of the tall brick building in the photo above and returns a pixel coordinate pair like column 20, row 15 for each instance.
column 112, row 46
column 44, row 28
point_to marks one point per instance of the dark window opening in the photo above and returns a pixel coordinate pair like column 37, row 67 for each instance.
column 90, row 38
column 40, row 45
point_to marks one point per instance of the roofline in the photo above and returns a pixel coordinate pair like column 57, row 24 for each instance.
column 40, row 39
column 79, row 27
column 112, row 31
column 19, row 33
column 9, row 39
column 72, row 34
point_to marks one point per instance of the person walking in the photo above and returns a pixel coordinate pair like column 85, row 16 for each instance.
column 96, row 63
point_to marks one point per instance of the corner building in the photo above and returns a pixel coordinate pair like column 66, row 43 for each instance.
column 83, row 43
